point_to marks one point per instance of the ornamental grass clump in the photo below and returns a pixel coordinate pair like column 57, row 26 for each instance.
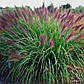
column 40, row 45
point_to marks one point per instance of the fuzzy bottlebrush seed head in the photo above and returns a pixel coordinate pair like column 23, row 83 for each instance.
column 14, row 55
column 51, row 43
column 42, row 39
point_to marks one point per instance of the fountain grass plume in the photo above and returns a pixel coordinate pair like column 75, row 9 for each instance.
column 48, row 46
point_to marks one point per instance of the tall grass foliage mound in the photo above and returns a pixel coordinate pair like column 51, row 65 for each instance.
column 41, row 45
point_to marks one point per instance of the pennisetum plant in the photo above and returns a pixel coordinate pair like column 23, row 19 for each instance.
column 40, row 45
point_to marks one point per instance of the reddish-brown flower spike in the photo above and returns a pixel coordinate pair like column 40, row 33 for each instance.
column 42, row 39
column 81, row 36
column 23, row 8
column 62, row 16
column 45, row 13
column 12, row 16
column 58, row 17
column 24, row 15
column 14, row 55
column 3, row 18
column 64, row 27
column 9, row 20
column 18, row 12
column 24, row 31
column 71, row 22
column 40, row 12
column 69, row 67
column 51, row 43
column 3, row 24
column 68, row 13
column 70, row 35
column 62, row 20
column 68, row 22
column 79, row 18
column 10, row 30
column 7, row 17
column 77, row 27
column 81, row 28
column 70, row 17
column 11, row 42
